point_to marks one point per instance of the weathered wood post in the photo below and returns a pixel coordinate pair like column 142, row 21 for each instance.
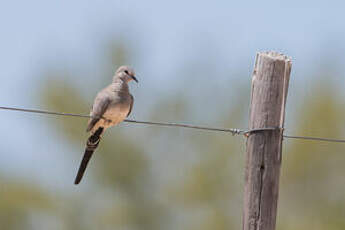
column 263, row 156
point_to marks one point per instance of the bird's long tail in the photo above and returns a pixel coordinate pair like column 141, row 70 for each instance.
column 91, row 145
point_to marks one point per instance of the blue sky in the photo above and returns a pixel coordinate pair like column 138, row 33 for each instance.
column 165, row 36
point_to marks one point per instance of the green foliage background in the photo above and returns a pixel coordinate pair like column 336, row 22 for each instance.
column 166, row 178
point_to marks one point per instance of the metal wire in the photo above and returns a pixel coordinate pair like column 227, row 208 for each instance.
column 247, row 133
column 232, row 131
column 166, row 124
column 45, row 112
column 315, row 138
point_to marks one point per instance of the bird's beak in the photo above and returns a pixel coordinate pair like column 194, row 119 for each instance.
column 135, row 79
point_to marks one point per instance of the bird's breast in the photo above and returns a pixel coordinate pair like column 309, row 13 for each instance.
column 116, row 113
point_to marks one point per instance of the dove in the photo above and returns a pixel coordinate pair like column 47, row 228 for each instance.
column 111, row 106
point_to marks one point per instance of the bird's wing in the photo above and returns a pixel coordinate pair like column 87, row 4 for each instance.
column 98, row 109
column 131, row 105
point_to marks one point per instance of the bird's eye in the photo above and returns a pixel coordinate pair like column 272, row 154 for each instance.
column 126, row 71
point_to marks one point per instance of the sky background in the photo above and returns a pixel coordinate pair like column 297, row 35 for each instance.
column 165, row 37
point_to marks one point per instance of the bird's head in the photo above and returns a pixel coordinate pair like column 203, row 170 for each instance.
column 125, row 73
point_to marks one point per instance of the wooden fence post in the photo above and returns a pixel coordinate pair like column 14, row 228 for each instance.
column 263, row 156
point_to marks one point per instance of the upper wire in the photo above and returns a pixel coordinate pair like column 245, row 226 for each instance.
column 166, row 124
column 232, row 131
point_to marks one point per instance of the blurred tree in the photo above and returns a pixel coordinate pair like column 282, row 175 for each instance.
column 18, row 202
column 312, row 183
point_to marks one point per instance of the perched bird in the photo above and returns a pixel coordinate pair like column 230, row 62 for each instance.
column 111, row 106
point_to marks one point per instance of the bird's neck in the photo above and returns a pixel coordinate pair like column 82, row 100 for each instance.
column 120, row 85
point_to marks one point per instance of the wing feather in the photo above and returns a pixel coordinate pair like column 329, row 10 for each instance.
column 131, row 106
column 98, row 109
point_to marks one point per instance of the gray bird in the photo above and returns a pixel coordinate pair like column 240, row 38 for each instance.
column 111, row 106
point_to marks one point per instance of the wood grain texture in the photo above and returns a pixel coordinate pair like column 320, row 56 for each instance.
column 263, row 156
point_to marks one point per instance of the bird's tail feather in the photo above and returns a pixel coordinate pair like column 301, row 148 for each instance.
column 91, row 145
